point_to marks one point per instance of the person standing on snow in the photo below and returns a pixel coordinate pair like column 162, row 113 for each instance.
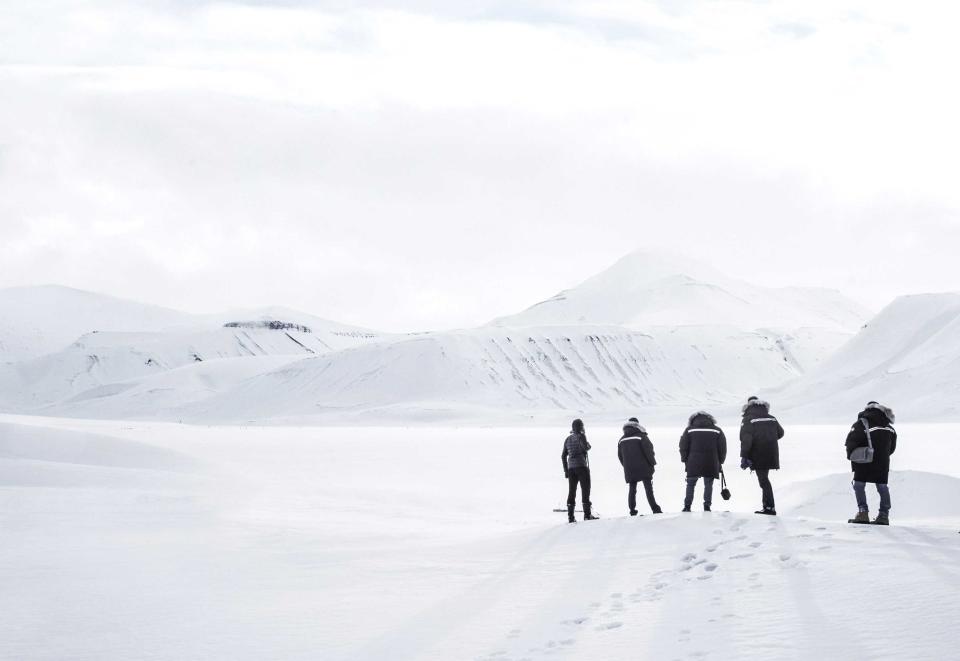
column 760, row 434
column 874, row 427
column 635, row 452
column 576, row 468
column 703, row 449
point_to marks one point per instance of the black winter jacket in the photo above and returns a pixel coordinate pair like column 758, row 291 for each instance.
column 884, row 438
column 760, row 433
column 575, row 450
column 636, row 454
column 703, row 447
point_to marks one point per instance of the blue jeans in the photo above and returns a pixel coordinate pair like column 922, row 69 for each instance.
column 707, row 491
column 860, row 489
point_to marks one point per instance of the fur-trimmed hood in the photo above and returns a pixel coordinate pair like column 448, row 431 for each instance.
column 762, row 404
column 702, row 414
column 630, row 424
column 886, row 410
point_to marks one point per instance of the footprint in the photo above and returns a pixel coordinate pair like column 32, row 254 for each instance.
column 610, row 625
column 688, row 557
column 741, row 556
column 711, row 549
column 823, row 548
column 784, row 557
column 710, row 567
column 756, row 544
column 704, row 577
column 577, row 621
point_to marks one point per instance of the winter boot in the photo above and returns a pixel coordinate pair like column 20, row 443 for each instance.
column 706, row 508
column 883, row 519
column 861, row 517
column 686, row 508
column 588, row 513
column 633, row 512
column 570, row 517
column 657, row 510
column 769, row 511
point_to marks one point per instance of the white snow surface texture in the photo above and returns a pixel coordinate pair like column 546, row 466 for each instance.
column 129, row 541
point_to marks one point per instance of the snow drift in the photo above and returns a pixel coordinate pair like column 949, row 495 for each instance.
column 908, row 356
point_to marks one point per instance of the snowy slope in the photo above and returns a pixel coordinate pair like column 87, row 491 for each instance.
column 169, row 542
column 493, row 373
column 907, row 356
column 101, row 365
column 39, row 320
column 647, row 289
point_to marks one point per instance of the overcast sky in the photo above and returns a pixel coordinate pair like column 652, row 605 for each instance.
column 415, row 165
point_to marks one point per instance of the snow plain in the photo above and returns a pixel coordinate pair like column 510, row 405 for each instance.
column 143, row 540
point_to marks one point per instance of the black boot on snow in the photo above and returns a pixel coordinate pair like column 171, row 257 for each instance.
column 768, row 511
column 686, row 508
column 706, row 508
column 657, row 510
column 570, row 517
column 633, row 512
column 861, row 517
column 882, row 519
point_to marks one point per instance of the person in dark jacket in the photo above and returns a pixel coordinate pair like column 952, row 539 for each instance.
column 874, row 426
column 703, row 449
column 635, row 452
column 576, row 468
column 760, row 434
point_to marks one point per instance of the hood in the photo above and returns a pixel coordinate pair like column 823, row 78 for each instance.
column 703, row 417
column 875, row 410
column 630, row 426
column 758, row 403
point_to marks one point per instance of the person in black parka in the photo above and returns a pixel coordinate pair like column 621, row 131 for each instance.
column 703, row 449
column 876, row 421
column 635, row 452
column 760, row 434
column 576, row 468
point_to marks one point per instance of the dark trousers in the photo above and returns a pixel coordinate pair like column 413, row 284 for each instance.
column 763, row 477
column 648, row 488
column 579, row 476
column 860, row 489
column 707, row 491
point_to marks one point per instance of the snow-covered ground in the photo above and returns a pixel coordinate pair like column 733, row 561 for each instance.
column 126, row 540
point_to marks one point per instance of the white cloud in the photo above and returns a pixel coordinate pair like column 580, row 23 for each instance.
column 441, row 164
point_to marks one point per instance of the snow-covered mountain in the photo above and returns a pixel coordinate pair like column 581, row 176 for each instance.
column 908, row 356
column 644, row 290
column 108, row 358
column 497, row 373
column 650, row 332
column 38, row 320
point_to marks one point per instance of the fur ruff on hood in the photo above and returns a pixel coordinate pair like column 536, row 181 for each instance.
column 756, row 402
column 629, row 424
column 886, row 410
column 713, row 421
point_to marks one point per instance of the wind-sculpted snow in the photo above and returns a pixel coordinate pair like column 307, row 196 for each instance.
column 130, row 540
column 492, row 372
column 908, row 356
column 100, row 365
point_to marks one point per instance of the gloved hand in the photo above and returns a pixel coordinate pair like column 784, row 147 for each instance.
column 745, row 463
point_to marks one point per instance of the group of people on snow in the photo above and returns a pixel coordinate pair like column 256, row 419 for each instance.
column 703, row 451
